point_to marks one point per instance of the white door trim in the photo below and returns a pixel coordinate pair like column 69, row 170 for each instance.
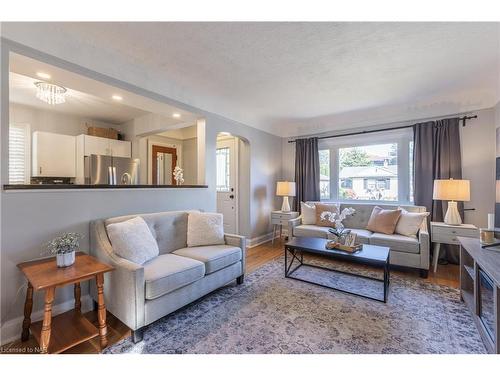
column 150, row 161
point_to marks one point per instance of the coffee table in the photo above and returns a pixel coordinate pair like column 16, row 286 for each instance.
column 370, row 255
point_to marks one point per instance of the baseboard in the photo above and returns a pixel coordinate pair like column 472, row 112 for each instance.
column 256, row 241
column 11, row 329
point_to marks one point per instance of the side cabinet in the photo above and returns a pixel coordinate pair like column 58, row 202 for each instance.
column 53, row 155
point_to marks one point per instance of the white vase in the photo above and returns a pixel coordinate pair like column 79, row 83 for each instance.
column 66, row 259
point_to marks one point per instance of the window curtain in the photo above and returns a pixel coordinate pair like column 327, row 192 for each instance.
column 306, row 171
column 437, row 156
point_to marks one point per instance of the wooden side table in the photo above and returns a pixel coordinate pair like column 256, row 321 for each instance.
column 442, row 233
column 280, row 218
column 59, row 333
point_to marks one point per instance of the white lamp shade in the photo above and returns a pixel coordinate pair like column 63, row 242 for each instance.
column 285, row 189
column 451, row 190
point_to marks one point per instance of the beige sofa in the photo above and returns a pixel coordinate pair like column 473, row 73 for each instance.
column 405, row 251
column 141, row 294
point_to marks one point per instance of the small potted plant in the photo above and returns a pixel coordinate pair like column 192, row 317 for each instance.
column 64, row 248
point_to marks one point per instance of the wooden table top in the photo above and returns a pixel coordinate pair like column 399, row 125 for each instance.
column 44, row 273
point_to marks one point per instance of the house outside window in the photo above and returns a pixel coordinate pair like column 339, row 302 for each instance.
column 367, row 168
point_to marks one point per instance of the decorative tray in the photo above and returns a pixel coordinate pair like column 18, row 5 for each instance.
column 338, row 246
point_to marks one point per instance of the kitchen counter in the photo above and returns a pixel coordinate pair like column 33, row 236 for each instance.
column 75, row 186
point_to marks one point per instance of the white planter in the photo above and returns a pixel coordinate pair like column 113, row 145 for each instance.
column 66, row 259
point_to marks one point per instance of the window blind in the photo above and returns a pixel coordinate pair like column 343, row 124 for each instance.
column 19, row 143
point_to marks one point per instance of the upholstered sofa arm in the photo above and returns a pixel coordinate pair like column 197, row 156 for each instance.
column 292, row 224
column 424, row 240
column 239, row 241
column 123, row 287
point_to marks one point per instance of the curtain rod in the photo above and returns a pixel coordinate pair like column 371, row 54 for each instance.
column 464, row 119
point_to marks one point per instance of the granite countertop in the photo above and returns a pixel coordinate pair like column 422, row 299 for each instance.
column 75, row 186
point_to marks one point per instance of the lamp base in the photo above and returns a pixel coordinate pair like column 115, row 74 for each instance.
column 285, row 207
column 452, row 216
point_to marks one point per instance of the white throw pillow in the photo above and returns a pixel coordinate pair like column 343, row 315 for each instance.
column 308, row 213
column 132, row 240
column 409, row 222
column 205, row 229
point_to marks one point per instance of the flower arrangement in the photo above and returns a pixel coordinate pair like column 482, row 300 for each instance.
column 337, row 218
column 178, row 175
column 65, row 243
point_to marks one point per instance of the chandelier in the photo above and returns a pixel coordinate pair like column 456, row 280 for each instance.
column 50, row 93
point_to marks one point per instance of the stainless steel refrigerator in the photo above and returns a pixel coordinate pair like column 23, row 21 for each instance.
column 109, row 170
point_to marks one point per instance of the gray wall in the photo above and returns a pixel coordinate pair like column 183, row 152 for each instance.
column 28, row 219
column 190, row 160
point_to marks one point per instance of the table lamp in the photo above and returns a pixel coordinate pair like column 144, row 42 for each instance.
column 452, row 190
column 285, row 189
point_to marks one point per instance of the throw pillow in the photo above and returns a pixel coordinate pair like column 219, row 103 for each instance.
column 409, row 222
column 383, row 221
column 132, row 240
column 320, row 208
column 308, row 213
column 205, row 229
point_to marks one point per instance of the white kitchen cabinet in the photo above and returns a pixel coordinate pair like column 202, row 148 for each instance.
column 95, row 145
column 91, row 145
column 120, row 149
column 53, row 155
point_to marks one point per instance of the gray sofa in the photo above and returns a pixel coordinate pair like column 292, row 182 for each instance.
column 405, row 251
column 140, row 294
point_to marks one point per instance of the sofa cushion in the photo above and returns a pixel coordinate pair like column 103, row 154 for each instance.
column 132, row 240
column 310, row 231
column 169, row 272
column 308, row 213
column 396, row 242
column 168, row 228
column 362, row 235
column 320, row 209
column 383, row 221
column 409, row 223
column 205, row 229
column 214, row 257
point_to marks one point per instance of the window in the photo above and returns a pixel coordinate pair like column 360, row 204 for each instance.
column 369, row 171
column 222, row 161
column 367, row 168
column 324, row 173
column 19, row 154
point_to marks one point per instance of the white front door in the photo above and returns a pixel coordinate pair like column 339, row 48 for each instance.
column 227, row 183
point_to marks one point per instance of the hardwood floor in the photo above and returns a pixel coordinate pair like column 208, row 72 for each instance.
column 256, row 257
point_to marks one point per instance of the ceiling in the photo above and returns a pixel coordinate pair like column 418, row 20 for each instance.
column 294, row 78
column 22, row 90
column 85, row 97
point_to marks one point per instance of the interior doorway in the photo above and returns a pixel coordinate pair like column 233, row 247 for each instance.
column 232, row 182
column 164, row 160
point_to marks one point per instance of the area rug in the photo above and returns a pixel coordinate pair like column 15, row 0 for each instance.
column 273, row 314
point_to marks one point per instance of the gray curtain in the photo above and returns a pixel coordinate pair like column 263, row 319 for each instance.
column 306, row 171
column 437, row 155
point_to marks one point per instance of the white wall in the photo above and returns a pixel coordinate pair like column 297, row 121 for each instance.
column 478, row 162
column 52, row 121
column 30, row 218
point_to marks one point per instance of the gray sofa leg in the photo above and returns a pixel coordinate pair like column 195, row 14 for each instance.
column 240, row 279
column 424, row 274
column 138, row 335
